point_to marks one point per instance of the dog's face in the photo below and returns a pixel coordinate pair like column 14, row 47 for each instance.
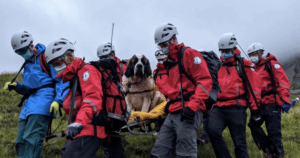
column 138, row 66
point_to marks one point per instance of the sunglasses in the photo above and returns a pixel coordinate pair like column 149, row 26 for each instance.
column 22, row 50
column 61, row 60
column 159, row 52
column 225, row 51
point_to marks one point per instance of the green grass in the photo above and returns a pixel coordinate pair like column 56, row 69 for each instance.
column 135, row 147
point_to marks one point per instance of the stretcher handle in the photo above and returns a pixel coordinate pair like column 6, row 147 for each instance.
column 62, row 134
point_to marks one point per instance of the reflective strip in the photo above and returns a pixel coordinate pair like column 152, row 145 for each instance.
column 203, row 89
column 284, row 85
column 266, row 87
column 179, row 91
column 75, row 107
column 94, row 106
column 257, row 94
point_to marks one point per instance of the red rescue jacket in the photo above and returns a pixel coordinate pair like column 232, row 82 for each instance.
column 281, row 81
column 124, row 66
column 162, row 79
column 232, row 87
column 89, row 101
column 198, row 71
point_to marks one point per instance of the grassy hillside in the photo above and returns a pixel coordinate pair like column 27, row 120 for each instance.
column 135, row 147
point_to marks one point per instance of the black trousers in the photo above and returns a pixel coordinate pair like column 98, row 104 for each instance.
column 273, row 142
column 204, row 133
column 87, row 147
column 235, row 119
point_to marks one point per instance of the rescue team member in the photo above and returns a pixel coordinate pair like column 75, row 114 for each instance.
column 160, row 74
column 294, row 102
column 230, row 108
column 270, row 70
column 108, row 51
column 86, row 138
column 179, row 131
column 42, row 90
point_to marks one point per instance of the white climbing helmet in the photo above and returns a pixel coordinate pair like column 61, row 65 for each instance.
column 227, row 41
column 21, row 39
column 255, row 47
column 58, row 48
column 105, row 49
column 164, row 33
column 201, row 50
column 297, row 99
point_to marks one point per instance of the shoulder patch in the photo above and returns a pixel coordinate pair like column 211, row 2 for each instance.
column 277, row 66
column 86, row 76
column 252, row 67
column 197, row 60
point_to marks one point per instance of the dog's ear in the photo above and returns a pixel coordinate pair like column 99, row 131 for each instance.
column 147, row 66
column 129, row 70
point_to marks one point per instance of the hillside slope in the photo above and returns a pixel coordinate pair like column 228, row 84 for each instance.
column 135, row 147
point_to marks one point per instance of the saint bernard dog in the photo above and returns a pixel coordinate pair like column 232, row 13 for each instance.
column 139, row 85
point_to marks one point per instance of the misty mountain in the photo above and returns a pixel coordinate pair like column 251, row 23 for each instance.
column 292, row 70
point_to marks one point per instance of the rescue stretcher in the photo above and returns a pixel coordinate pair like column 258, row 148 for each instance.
column 138, row 119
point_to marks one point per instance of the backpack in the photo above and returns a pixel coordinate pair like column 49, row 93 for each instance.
column 213, row 64
column 110, row 120
column 43, row 63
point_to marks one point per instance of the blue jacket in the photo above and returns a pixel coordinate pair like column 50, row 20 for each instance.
column 34, row 77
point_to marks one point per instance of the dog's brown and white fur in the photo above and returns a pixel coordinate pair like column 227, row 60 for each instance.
column 139, row 85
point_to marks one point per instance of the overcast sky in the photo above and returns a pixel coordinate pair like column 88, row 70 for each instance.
column 273, row 23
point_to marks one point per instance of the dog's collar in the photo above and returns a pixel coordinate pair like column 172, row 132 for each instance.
column 145, row 91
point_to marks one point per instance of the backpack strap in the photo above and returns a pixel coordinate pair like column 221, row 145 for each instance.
column 43, row 63
column 181, row 66
column 156, row 74
column 268, row 68
column 14, row 79
column 243, row 75
column 122, row 69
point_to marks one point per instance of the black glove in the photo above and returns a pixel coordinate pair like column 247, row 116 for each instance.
column 187, row 114
column 256, row 118
column 73, row 130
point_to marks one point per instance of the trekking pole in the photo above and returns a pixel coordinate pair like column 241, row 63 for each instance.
column 243, row 51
